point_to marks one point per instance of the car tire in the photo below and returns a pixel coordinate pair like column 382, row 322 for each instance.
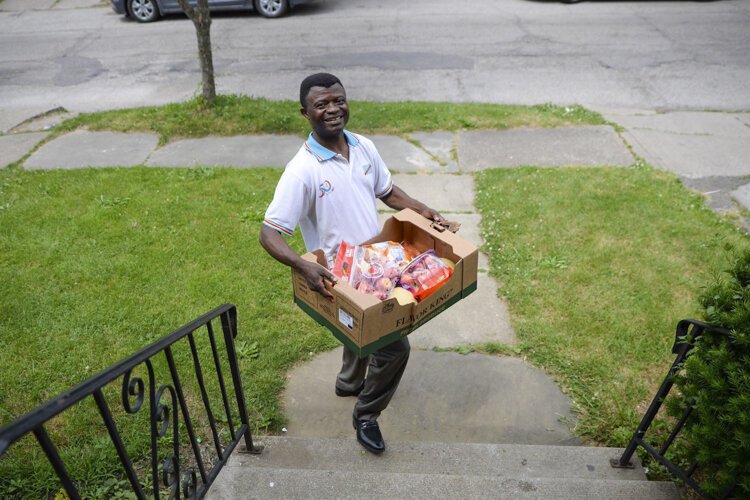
column 272, row 8
column 144, row 11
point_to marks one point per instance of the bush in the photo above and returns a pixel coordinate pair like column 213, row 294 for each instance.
column 716, row 380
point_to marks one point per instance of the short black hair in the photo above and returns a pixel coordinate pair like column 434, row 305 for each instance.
column 317, row 80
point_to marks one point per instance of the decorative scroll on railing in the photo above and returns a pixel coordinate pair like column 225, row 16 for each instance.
column 685, row 335
column 176, row 473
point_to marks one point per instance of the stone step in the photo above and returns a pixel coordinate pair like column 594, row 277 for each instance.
column 479, row 459
column 270, row 483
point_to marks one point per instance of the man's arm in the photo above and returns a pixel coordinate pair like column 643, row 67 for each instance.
column 397, row 199
column 279, row 249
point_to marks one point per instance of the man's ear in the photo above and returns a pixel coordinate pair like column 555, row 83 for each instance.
column 303, row 111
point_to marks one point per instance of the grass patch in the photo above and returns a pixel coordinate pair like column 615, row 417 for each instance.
column 598, row 265
column 239, row 115
column 97, row 264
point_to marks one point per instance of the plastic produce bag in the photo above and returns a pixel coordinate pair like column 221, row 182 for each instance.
column 424, row 274
column 372, row 269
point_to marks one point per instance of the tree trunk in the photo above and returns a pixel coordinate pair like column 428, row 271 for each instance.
column 202, row 20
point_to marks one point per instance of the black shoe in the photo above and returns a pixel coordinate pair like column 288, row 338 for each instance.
column 343, row 393
column 369, row 436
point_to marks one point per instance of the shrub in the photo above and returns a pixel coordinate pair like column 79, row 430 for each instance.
column 716, row 380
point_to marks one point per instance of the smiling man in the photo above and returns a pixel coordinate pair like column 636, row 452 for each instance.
column 330, row 189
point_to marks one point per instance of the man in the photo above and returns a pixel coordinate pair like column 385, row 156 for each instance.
column 330, row 189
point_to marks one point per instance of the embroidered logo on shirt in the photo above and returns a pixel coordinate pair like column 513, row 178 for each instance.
column 325, row 188
column 367, row 167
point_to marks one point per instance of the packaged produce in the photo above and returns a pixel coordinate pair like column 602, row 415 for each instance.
column 378, row 268
column 373, row 268
column 424, row 274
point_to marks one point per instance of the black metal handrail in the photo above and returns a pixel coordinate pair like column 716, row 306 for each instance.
column 182, row 480
column 686, row 333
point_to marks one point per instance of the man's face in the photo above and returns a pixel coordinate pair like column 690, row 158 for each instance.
column 326, row 110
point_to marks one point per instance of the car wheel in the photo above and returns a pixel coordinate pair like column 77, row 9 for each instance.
column 271, row 8
column 144, row 11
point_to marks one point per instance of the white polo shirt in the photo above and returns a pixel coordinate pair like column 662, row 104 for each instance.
column 330, row 198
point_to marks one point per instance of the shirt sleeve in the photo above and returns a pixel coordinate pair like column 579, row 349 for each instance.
column 383, row 179
column 290, row 202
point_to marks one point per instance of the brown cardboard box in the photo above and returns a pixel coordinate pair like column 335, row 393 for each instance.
column 364, row 323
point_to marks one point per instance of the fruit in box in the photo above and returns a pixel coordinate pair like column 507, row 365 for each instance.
column 377, row 268
column 403, row 296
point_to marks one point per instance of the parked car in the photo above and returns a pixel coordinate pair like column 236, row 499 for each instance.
column 145, row 11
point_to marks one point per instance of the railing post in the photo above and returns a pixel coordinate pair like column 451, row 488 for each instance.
column 686, row 333
column 54, row 458
column 229, row 327
column 683, row 343
column 648, row 417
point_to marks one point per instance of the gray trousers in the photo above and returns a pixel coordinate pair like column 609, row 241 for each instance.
column 381, row 372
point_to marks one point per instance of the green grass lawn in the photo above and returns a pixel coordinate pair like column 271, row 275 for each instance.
column 237, row 115
column 598, row 265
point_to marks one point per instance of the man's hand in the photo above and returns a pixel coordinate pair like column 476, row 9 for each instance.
column 432, row 214
column 316, row 275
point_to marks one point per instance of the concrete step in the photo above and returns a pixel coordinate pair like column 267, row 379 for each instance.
column 321, row 468
column 479, row 459
column 270, row 483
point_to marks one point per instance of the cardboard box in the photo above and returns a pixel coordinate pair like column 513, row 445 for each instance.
column 364, row 323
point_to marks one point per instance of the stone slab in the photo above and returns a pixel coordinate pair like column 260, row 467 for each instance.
column 440, row 145
column 686, row 122
column 742, row 195
column 443, row 397
column 718, row 191
column 43, row 122
column 470, row 231
column 692, row 155
column 443, row 192
column 239, row 151
column 81, row 149
column 549, row 147
column 13, row 147
column 402, row 156
column 10, row 118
